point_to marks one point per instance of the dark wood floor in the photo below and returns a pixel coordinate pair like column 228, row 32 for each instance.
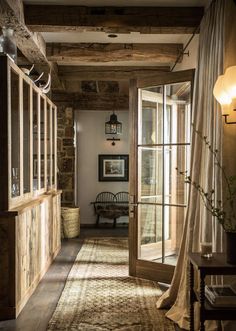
column 40, row 307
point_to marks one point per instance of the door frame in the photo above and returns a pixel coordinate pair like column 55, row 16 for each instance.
column 137, row 267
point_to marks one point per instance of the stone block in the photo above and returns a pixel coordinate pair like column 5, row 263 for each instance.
column 65, row 181
column 68, row 142
column 61, row 133
column 108, row 87
column 70, row 151
column 69, row 113
column 69, row 122
column 69, row 131
column 68, row 165
column 61, row 127
column 59, row 164
column 60, row 155
column 60, row 112
column 66, row 203
column 61, row 121
column 68, row 196
column 59, row 144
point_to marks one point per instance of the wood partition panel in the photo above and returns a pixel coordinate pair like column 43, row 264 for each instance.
column 29, row 209
column 30, row 239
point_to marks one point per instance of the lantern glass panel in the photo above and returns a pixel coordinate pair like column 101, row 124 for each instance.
column 119, row 128
column 107, row 128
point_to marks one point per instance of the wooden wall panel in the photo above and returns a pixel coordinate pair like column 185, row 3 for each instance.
column 34, row 239
column 56, row 226
column 4, row 262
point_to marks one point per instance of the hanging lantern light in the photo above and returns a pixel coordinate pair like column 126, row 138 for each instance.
column 113, row 126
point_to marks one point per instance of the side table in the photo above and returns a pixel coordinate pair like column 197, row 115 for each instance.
column 216, row 265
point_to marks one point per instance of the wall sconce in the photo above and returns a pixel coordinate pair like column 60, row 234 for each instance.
column 113, row 126
column 225, row 92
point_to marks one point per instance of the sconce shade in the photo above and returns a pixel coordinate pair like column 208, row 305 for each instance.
column 225, row 92
column 113, row 126
column 229, row 82
column 219, row 92
column 221, row 95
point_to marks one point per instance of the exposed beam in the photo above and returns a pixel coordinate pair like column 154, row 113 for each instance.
column 101, row 53
column 32, row 45
column 58, row 84
column 113, row 19
column 93, row 101
column 78, row 73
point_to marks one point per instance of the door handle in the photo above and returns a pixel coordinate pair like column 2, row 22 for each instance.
column 133, row 205
column 131, row 209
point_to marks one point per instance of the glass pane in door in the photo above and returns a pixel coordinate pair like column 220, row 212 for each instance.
column 150, row 160
column 172, row 231
column 150, row 232
column 160, row 241
column 151, row 117
column 176, row 160
column 177, row 113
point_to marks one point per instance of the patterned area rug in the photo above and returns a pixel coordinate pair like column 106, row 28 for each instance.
column 100, row 296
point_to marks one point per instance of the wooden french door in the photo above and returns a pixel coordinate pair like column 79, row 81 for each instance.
column 160, row 117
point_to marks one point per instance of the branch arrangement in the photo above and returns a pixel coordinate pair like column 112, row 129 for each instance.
column 224, row 211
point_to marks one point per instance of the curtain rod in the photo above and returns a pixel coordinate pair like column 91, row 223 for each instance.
column 182, row 53
column 193, row 35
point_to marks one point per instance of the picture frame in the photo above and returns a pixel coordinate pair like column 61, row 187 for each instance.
column 113, row 167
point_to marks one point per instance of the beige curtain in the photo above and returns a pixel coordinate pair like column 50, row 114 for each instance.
column 199, row 225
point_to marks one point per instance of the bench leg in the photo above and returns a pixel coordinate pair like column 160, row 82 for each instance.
column 114, row 223
column 97, row 221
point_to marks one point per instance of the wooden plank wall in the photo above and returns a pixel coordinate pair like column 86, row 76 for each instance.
column 35, row 244
column 4, row 261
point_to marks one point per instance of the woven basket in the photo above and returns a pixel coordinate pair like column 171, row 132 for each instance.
column 70, row 222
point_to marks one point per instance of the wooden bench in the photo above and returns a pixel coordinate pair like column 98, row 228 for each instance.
column 111, row 206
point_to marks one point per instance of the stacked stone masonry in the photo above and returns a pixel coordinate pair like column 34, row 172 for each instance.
column 66, row 154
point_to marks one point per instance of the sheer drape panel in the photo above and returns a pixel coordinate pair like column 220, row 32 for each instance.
column 199, row 224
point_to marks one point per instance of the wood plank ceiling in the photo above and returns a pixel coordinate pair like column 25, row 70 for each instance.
column 74, row 43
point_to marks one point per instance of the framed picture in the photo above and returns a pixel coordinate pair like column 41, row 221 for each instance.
column 113, row 168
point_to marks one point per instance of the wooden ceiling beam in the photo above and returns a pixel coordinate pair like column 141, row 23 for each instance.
column 102, row 53
column 54, row 18
column 57, row 83
column 106, row 73
column 31, row 45
column 93, row 101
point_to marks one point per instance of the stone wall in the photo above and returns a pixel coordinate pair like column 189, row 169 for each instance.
column 66, row 154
